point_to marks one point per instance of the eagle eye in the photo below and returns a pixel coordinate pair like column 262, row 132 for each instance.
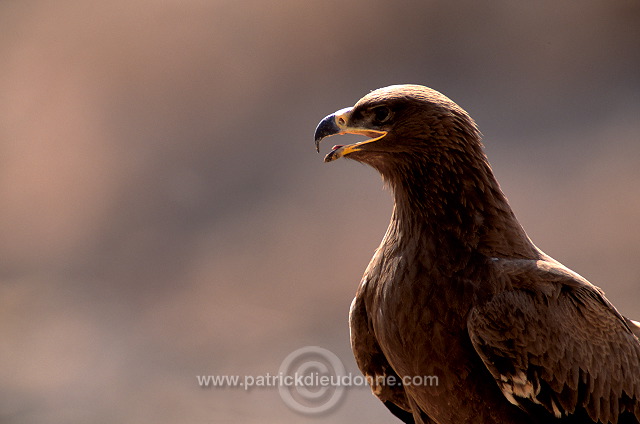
column 381, row 114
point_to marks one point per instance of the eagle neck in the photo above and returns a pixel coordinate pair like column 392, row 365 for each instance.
column 450, row 205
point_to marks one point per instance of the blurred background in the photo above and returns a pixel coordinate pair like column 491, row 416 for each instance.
column 165, row 215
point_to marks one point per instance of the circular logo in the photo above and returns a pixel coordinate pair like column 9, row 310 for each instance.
column 313, row 377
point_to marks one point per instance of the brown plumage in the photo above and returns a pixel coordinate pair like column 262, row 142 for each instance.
column 458, row 291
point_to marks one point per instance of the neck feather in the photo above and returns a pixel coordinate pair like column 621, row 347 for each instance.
column 450, row 203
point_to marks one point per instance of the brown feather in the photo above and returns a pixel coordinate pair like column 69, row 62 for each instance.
column 457, row 290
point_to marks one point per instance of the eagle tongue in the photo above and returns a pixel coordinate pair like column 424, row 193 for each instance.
column 331, row 156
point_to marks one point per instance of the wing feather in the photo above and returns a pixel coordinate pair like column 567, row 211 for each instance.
column 374, row 364
column 553, row 339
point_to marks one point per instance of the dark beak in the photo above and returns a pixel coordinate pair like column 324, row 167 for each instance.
column 329, row 126
column 338, row 123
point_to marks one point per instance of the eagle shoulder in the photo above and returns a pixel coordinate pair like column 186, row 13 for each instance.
column 552, row 340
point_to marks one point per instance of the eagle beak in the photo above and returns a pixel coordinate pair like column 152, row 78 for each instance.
column 338, row 123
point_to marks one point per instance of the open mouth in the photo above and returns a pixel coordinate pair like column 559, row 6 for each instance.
column 338, row 124
column 340, row 150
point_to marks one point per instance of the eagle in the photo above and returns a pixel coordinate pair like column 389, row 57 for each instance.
column 459, row 317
